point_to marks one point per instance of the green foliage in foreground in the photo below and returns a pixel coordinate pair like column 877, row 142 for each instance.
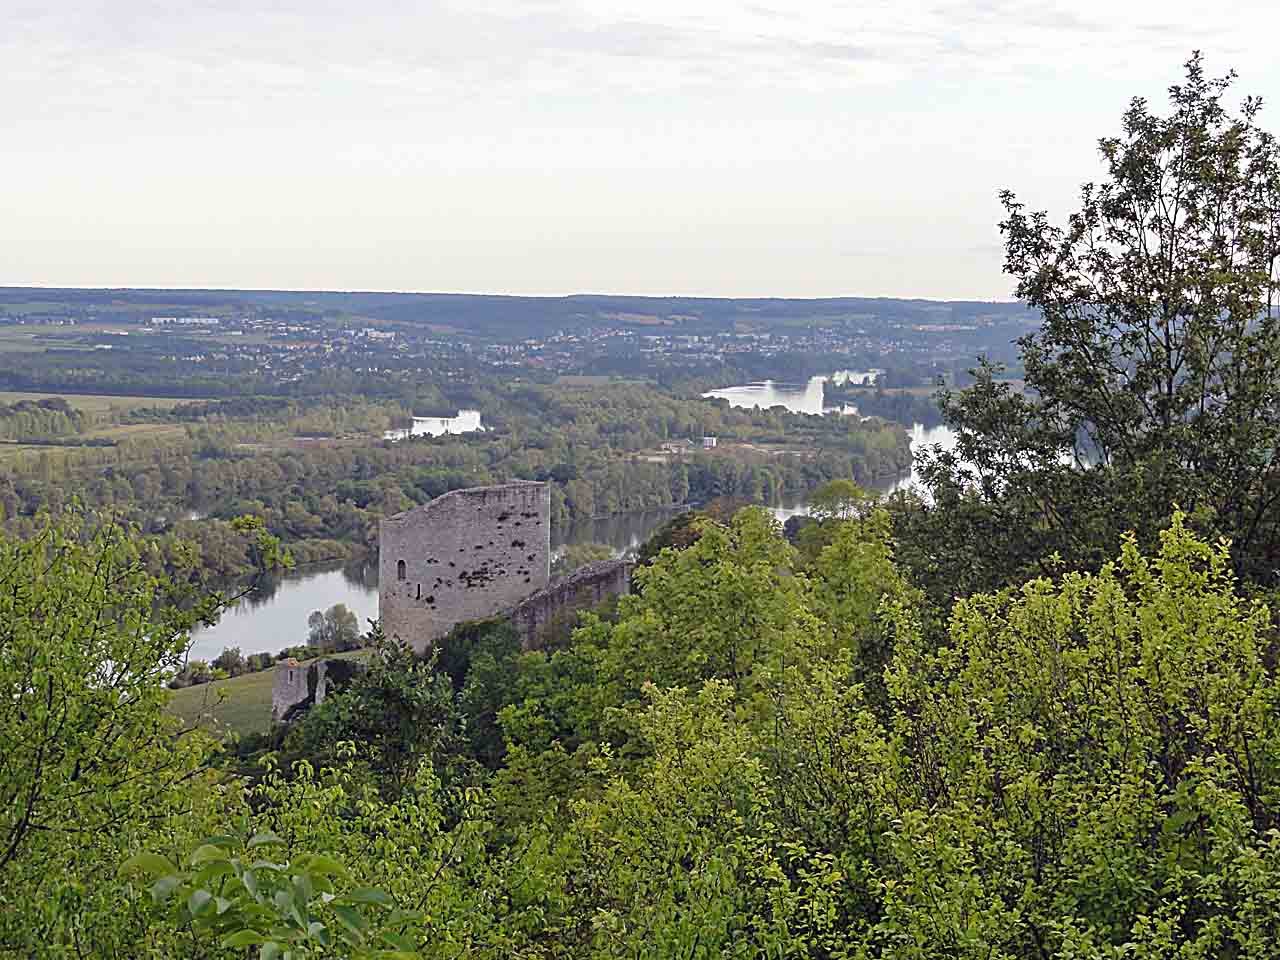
column 232, row 896
column 765, row 754
column 91, row 766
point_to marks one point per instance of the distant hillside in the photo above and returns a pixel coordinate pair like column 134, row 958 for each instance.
column 513, row 317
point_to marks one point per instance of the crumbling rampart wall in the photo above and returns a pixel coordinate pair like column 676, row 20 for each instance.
column 588, row 586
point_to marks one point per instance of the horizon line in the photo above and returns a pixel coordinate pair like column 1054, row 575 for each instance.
column 513, row 296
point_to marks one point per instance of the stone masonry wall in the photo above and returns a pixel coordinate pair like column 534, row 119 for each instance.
column 585, row 587
column 466, row 555
column 289, row 688
column 297, row 685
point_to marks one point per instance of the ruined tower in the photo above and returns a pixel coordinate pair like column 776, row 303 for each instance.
column 466, row 555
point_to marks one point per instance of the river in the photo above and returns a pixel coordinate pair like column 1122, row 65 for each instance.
column 796, row 397
column 276, row 616
column 467, row 421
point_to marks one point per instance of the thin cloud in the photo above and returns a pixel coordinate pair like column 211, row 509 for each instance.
column 554, row 144
column 624, row 44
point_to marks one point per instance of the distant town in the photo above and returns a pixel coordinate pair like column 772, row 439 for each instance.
column 286, row 336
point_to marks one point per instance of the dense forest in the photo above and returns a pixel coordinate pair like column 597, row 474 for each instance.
column 1032, row 714
column 320, row 475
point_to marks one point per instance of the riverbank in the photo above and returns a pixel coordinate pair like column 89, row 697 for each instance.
column 275, row 615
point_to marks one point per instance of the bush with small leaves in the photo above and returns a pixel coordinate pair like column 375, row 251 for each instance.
column 232, row 897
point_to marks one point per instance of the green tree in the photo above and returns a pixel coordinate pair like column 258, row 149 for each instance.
column 851, row 578
column 1088, row 767
column 838, row 500
column 713, row 610
column 400, row 709
column 1154, row 377
column 337, row 628
column 678, row 532
column 231, row 661
column 670, row 862
column 83, row 740
column 90, row 762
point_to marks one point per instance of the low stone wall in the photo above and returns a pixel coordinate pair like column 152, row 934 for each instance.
column 297, row 685
column 585, row 587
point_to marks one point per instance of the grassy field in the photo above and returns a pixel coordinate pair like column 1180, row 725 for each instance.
column 240, row 705
column 96, row 404
column 591, row 380
column 93, row 403
column 10, row 450
column 39, row 339
column 132, row 431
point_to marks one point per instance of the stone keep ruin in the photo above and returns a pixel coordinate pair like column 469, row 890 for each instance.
column 470, row 554
column 467, row 555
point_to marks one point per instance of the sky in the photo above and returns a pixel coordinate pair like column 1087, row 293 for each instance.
column 694, row 147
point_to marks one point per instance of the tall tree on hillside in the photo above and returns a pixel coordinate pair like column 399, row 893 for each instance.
column 1155, row 376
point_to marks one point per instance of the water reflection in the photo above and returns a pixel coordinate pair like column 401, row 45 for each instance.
column 796, row 397
column 274, row 615
column 358, row 575
column 467, row 421
column 624, row 532
column 923, row 437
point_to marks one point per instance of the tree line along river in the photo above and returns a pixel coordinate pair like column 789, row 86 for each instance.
column 276, row 615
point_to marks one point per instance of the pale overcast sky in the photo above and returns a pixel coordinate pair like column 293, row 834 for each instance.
column 718, row 147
